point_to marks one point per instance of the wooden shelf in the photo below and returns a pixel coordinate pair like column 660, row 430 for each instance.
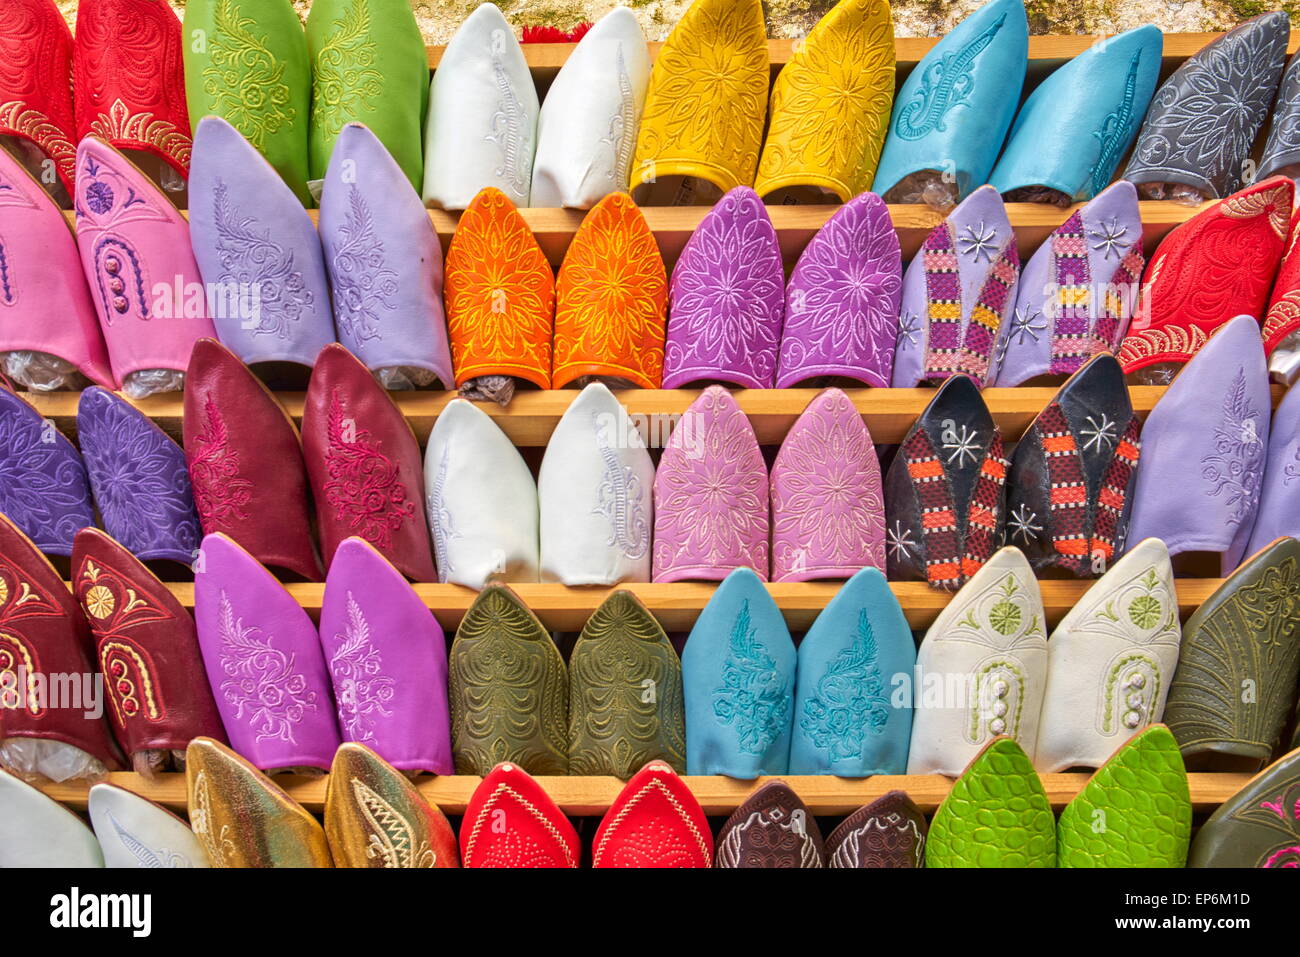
column 588, row 796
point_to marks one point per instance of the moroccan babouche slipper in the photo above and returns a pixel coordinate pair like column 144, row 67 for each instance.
column 773, row 828
column 510, row 821
column 1279, row 495
column 1110, row 661
column 996, row 815
column 944, row 491
column 888, row 832
column 148, row 652
column 1136, row 811
column 993, row 633
column 481, row 499
column 242, row 818
column 36, row 108
column 1259, row 826
column 738, row 674
column 264, row 662
column 625, row 693
column 1282, row 321
column 1245, row 636
column 654, row 822
column 38, row 831
column 1282, row 148
column 374, row 816
column 509, row 689
column 136, row 833
column 253, row 71
column 710, row 495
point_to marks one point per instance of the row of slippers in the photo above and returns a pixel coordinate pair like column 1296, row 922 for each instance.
column 855, row 698
column 1136, row 811
column 691, row 127
column 139, row 284
column 1086, row 478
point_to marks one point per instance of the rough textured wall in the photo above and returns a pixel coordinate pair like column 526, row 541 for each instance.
column 792, row 18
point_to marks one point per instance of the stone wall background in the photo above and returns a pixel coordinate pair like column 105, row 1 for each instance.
column 792, row 18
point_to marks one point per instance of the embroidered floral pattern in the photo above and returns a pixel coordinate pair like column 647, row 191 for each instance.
column 1234, row 468
column 244, row 80
column 621, row 499
column 946, row 84
column 220, row 492
column 850, row 702
column 393, row 839
column 145, row 855
column 753, row 699
column 622, row 126
column 345, row 81
column 364, row 286
column 364, row 487
column 1116, row 127
column 20, row 599
column 360, row 683
column 510, row 129
column 123, row 128
column 42, row 482
column 261, row 682
column 441, row 520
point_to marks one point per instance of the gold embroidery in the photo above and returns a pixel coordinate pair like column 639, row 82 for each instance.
column 122, row 690
column 392, row 839
column 1274, row 202
column 119, row 126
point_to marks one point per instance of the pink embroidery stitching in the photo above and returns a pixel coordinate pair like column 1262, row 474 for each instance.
column 219, row 493
column 364, row 487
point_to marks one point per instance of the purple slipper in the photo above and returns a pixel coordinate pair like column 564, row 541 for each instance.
column 258, row 251
column 1207, row 438
column 264, row 661
column 727, row 298
column 828, row 506
column 710, row 495
column 387, row 656
column 1077, row 293
column 1279, row 500
column 140, row 479
column 957, row 293
column 841, row 306
column 43, row 484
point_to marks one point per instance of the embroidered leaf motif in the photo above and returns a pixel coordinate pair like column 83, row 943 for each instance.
column 392, row 838
column 364, row 286
column 345, row 83
column 850, row 703
column 753, row 698
column 143, row 853
column 1234, row 467
column 507, row 126
column 945, row 85
column 365, row 486
column 621, row 499
column 244, row 79
column 360, row 683
column 220, row 492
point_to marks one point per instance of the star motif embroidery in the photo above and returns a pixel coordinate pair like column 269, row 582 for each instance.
column 909, row 328
column 977, row 241
column 899, row 540
column 962, row 444
column 1111, row 237
column 1098, row 433
column 1022, row 327
column 1022, row 523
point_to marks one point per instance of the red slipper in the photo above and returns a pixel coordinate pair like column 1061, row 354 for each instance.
column 654, row 822
column 511, row 821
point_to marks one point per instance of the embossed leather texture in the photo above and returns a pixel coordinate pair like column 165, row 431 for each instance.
column 37, row 831
column 996, row 815
column 1078, row 292
column 738, row 673
column 363, row 462
column 950, row 465
column 654, row 822
column 828, row 514
column 1259, row 826
column 1245, row 637
column 1110, row 661
column 1079, row 123
column 1207, row 436
column 264, row 662
column 1279, row 496
column 1282, row 148
column 245, row 462
column 611, row 299
column 481, row 500
column 374, row 816
column 368, row 65
column 888, row 832
column 253, row 70
column 258, row 251
column 510, row 821
column 703, row 120
column 830, row 107
column 710, row 495
column 1283, row 316
column 841, row 305
column 146, row 647
column 957, row 293
column 625, row 693
column 129, row 78
column 500, row 294
column 595, row 487
column 136, row 833
column 1204, row 119
column 482, row 123
column 953, row 111
column 993, row 634
column 35, row 82
column 242, row 819
column 733, row 338
column 586, row 130
column 1217, row 265
column 509, row 690
column 773, row 828
column 139, row 477
column 1070, row 488
column 846, row 721
column 387, row 657
column 45, row 491
column 1136, row 811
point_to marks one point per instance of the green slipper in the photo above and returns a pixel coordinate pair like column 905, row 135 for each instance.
column 369, row 66
column 1136, row 811
column 246, row 62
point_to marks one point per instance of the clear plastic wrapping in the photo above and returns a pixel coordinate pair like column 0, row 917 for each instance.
column 147, row 382
column 1040, row 194
column 41, row 757
column 405, row 378
column 937, row 190
column 1175, row 192
column 43, row 371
